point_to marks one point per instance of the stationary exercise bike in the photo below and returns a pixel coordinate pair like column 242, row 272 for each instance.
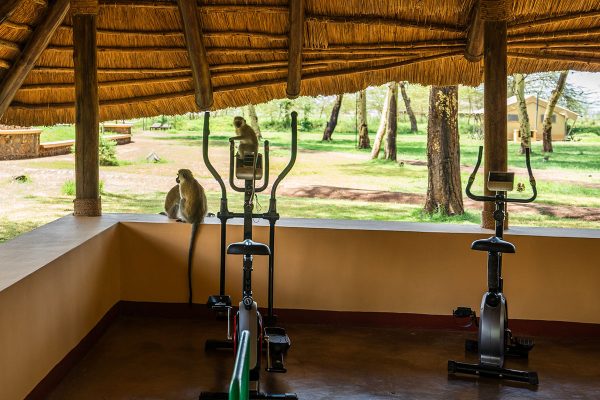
column 495, row 340
column 275, row 339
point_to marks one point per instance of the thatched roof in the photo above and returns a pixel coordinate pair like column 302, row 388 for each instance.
column 144, row 68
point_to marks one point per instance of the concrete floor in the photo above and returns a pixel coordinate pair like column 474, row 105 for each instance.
column 156, row 358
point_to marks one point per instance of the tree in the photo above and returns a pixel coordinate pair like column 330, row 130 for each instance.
column 382, row 125
column 363, row 130
column 524, row 128
column 254, row 120
column 444, row 192
column 547, row 126
column 409, row 110
column 333, row 118
column 392, row 123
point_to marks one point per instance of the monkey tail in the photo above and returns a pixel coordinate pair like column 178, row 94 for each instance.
column 190, row 259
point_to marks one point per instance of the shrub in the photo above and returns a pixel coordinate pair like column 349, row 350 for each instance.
column 68, row 188
column 107, row 152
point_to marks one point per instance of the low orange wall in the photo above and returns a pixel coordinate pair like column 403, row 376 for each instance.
column 550, row 278
column 58, row 281
column 47, row 313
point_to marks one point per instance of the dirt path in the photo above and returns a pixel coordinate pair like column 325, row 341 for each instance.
column 339, row 193
column 582, row 178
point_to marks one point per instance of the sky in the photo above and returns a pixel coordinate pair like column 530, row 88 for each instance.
column 591, row 82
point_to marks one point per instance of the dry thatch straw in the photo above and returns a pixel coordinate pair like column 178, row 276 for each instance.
column 144, row 68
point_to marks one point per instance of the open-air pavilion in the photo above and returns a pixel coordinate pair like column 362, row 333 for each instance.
column 365, row 324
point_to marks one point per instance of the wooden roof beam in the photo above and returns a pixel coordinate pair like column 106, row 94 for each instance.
column 7, row 8
column 474, row 49
column 197, row 53
column 296, row 40
column 554, row 19
column 37, row 43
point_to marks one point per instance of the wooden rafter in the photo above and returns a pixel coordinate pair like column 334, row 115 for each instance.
column 555, row 35
column 389, row 22
column 197, row 53
column 37, row 43
column 7, row 8
column 296, row 38
column 555, row 57
column 554, row 19
column 474, row 49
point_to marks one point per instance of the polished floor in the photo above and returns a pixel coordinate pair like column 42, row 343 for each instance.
column 157, row 358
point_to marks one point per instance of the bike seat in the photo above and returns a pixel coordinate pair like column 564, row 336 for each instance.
column 249, row 247
column 493, row 244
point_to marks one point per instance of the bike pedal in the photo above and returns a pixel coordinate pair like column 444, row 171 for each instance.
column 463, row 312
column 525, row 342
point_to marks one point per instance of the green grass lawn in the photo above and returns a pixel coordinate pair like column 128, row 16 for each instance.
column 569, row 178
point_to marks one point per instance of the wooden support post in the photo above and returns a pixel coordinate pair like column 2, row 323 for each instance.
column 494, row 97
column 474, row 49
column 197, row 53
column 87, row 176
column 35, row 46
column 296, row 39
column 7, row 8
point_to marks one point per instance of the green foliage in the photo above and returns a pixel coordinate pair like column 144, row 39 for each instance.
column 68, row 188
column 57, row 133
column 22, row 179
column 107, row 152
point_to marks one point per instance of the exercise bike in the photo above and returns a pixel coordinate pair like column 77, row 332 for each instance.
column 495, row 340
column 248, row 318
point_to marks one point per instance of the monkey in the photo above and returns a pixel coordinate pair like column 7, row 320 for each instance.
column 247, row 137
column 248, row 144
column 172, row 203
column 192, row 209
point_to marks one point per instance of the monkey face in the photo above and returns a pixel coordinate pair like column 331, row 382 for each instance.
column 239, row 122
column 184, row 174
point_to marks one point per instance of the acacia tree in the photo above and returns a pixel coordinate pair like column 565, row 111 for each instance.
column 391, row 124
column 547, row 125
column 409, row 110
column 363, row 130
column 382, row 125
column 444, row 192
column 524, row 127
column 333, row 118
column 254, row 120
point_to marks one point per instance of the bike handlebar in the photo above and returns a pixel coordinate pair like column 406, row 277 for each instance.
column 475, row 197
column 288, row 167
column 211, row 168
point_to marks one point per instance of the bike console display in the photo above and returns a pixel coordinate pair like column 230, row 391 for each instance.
column 501, row 181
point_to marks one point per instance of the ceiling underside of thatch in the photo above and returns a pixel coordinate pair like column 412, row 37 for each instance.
column 144, row 68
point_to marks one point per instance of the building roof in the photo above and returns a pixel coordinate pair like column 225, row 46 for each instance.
column 144, row 69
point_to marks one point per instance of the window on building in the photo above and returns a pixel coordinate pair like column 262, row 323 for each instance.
column 512, row 117
column 553, row 118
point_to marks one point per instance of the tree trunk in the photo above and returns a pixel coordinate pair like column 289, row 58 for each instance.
column 333, row 119
column 363, row 130
column 444, row 192
column 392, row 123
column 382, row 126
column 254, row 120
column 409, row 110
column 524, row 127
column 547, row 126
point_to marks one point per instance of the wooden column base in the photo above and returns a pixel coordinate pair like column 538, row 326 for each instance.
column 87, row 207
